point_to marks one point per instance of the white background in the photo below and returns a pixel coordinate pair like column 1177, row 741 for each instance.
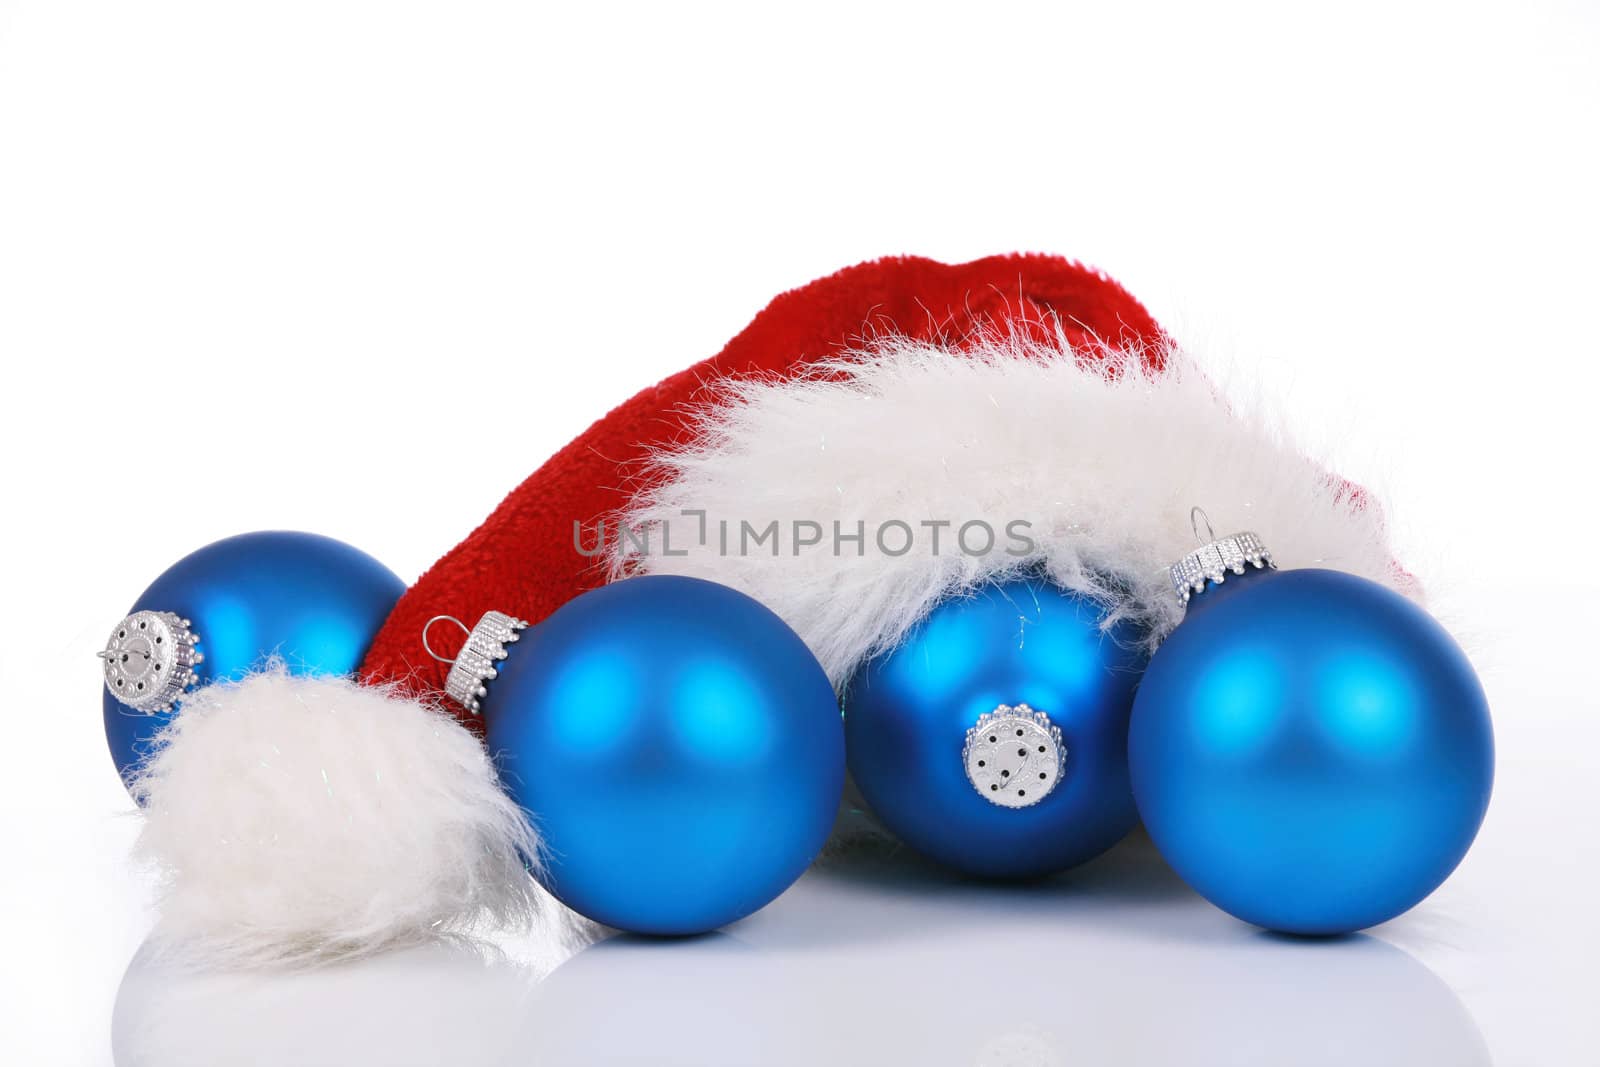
column 288, row 265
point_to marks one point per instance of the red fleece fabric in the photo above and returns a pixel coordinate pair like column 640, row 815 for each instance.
column 523, row 560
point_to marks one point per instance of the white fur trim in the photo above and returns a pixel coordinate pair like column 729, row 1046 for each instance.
column 300, row 819
column 1102, row 457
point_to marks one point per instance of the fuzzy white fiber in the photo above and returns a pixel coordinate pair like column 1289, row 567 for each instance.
column 1102, row 457
column 295, row 820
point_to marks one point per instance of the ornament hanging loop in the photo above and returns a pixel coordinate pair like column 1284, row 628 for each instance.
column 1197, row 515
column 429, row 625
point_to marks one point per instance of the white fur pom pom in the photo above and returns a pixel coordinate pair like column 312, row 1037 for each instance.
column 297, row 819
column 1098, row 457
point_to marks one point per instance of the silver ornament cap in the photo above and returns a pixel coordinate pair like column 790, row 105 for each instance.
column 1013, row 756
column 1215, row 559
column 476, row 665
column 150, row 659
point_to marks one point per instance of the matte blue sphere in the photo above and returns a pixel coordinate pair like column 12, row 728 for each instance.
column 679, row 748
column 315, row 602
column 1019, row 642
column 1311, row 751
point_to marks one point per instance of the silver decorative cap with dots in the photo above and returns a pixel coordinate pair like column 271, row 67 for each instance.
column 150, row 660
column 475, row 664
column 1013, row 756
column 1214, row 561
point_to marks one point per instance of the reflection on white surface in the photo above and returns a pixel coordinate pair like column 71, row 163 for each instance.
column 873, row 961
column 426, row 1005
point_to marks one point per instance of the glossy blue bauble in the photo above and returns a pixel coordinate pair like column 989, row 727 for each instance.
column 678, row 746
column 1311, row 751
column 314, row 602
column 1020, row 642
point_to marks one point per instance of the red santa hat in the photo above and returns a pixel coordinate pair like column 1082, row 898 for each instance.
column 1017, row 412
column 1026, row 399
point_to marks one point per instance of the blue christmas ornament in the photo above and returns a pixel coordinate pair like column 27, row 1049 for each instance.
column 676, row 744
column 1310, row 750
column 220, row 612
column 994, row 739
